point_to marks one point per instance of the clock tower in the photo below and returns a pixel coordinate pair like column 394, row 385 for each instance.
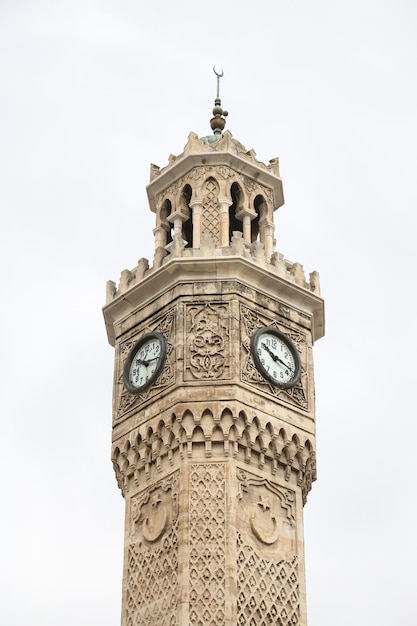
column 213, row 440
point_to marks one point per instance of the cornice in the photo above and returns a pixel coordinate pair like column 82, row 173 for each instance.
column 278, row 451
column 177, row 271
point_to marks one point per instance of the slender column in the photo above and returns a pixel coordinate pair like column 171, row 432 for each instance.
column 197, row 207
column 177, row 219
column 160, row 235
column 224, row 222
column 246, row 228
column 267, row 229
column 246, row 216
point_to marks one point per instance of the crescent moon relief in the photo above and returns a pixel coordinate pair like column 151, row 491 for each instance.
column 265, row 518
column 154, row 525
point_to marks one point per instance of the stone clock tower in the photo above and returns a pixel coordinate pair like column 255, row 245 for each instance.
column 213, row 403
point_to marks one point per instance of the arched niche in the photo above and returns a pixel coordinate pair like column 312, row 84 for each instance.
column 261, row 210
column 164, row 213
column 186, row 209
column 235, row 225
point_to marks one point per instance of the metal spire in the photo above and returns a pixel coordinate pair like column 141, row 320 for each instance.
column 218, row 122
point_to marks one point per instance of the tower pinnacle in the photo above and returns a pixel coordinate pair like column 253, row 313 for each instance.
column 218, row 122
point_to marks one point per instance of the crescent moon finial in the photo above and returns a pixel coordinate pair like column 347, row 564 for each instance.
column 219, row 75
column 218, row 122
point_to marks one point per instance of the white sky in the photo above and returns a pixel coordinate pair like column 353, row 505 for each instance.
column 91, row 92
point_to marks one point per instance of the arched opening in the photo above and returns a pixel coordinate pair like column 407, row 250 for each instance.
column 166, row 225
column 187, row 227
column 234, row 223
column 260, row 208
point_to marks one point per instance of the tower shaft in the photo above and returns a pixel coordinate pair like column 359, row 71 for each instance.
column 214, row 457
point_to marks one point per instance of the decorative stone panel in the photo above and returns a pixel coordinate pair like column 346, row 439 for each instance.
column 126, row 402
column 207, row 330
column 207, row 540
column 267, row 564
column 268, row 589
column 152, row 580
column 251, row 320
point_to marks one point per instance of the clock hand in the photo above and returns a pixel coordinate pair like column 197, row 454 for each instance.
column 145, row 363
column 275, row 357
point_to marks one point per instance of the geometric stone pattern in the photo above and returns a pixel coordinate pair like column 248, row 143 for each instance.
column 152, row 583
column 207, row 542
column 268, row 590
column 152, row 589
column 210, row 217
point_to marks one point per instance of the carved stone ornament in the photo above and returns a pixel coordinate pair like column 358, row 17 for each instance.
column 252, row 320
column 208, row 346
column 210, row 219
column 152, row 581
column 127, row 401
column 267, row 588
column 266, row 560
column 153, row 512
column 268, row 510
column 207, row 541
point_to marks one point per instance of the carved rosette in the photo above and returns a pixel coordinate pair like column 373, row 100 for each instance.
column 207, row 342
column 127, row 401
column 251, row 321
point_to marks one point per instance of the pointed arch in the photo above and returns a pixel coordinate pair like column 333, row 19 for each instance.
column 185, row 207
column 236, row 194
column 261, row 210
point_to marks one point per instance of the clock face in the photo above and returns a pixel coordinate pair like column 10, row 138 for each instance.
column 144, row 362
column 276, row 357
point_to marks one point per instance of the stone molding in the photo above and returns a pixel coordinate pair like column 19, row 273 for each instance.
column 152, row 446
column 267, row 279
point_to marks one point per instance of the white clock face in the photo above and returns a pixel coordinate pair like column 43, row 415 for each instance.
column 145, row 362
column 276, row 357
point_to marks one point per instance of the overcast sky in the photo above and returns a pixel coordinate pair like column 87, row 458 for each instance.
column 92, row 92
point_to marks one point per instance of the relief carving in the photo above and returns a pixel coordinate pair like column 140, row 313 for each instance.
column 210, row 218
column 268, row 589
column 154, row 511
column 152, row 590
column 267, row 562
column 252, row 320
column 264, row 525
column 267, row 510
column 127, row 401
column 208, row 349
column 207, row 541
